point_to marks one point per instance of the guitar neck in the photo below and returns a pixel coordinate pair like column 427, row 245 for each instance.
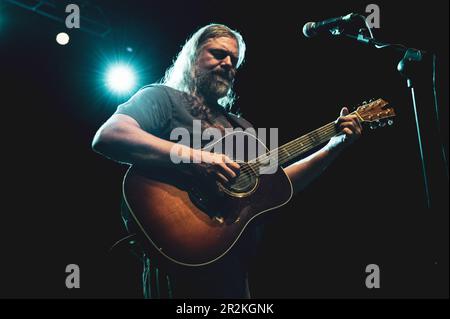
column 295, row 148
column 374, row 112
column 305, row 143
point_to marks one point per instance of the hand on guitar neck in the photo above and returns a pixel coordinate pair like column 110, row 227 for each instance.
column 349, row 126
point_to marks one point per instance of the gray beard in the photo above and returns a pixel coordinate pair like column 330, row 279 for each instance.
column 212, row 86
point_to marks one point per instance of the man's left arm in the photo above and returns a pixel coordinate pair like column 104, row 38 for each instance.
column 301, row 173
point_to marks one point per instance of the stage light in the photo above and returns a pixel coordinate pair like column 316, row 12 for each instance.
column 120, row 79
column 62, row 38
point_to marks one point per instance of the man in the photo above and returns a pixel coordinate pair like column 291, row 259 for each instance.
column 199, row 87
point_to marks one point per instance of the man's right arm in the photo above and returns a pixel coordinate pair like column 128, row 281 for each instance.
column 123, row 140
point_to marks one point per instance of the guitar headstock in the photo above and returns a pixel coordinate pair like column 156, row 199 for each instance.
column 376, row 113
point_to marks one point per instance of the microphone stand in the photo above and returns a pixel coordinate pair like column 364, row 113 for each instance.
column 411, row 55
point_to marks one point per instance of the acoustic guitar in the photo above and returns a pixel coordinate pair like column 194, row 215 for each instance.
column 185, row 223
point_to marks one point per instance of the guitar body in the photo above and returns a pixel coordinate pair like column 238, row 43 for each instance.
column 183, row 223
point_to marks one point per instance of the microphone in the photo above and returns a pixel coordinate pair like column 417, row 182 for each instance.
column 311, row 29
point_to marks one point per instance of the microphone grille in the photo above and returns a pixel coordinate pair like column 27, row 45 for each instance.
column 308, row 29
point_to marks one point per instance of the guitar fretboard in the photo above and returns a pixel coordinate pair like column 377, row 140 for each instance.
column 293, row 149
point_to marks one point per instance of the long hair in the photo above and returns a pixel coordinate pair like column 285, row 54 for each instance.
column 181, row 75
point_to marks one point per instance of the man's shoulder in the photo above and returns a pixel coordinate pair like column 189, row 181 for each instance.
column 164, row 94
column 160, row 89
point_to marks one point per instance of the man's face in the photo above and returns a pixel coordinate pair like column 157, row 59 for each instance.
column 216, row 67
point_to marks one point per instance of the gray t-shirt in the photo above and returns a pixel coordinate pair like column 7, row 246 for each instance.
column 158, row 110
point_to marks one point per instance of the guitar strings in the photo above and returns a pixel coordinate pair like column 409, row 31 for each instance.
column 295, row 146
column 300, row 144
column 325, row 133
column 252, row 172
column 292, row 148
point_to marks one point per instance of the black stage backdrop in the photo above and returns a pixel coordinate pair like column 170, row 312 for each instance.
column 61, row 201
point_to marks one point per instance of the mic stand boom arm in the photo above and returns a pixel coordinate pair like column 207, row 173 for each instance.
column 411, row 55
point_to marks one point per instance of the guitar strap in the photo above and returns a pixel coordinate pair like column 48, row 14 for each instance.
column 238, row 121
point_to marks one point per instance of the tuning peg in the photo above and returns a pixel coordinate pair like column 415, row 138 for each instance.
column 371, row 100
column 390, row 122
column 373, row 126
column 382, row 124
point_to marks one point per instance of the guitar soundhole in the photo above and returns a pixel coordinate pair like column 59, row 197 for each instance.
column 244, row 184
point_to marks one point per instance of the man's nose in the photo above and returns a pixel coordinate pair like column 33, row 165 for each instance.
column 227, row 61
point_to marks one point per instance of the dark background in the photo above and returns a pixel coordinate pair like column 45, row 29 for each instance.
column 61, row 200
